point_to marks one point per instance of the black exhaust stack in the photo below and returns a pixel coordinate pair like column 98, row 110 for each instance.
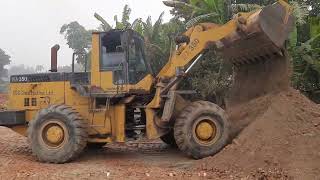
column 54, row 58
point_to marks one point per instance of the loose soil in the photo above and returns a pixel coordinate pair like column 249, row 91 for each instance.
column 261, row 78
column 276, row 129
column 279, row 139
column 116, row 161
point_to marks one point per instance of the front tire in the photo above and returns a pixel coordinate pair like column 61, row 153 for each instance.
column 58, row 134
column 201, row 130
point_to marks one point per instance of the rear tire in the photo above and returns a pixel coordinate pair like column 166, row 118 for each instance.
column 169, row 139
column 58, row 134
column 201, row 129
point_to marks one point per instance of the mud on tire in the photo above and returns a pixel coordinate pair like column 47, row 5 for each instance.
column 58, row 134
column 187, row 127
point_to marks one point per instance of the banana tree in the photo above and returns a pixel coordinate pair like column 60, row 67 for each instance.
column 209, row 9
column 306, row 67
column 157, row 49
column 123, row 24
column 218, row 11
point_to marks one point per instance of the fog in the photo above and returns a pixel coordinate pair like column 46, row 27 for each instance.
column 30, row 28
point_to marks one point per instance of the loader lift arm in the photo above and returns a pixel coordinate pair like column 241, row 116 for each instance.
column 242, row 26
column 246, row 39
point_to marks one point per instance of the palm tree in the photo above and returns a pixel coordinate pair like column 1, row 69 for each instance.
column 217, row 11
column 151, row 31
column 104, row 24
column 156, row 47
column 306, row 67
column 123, row 24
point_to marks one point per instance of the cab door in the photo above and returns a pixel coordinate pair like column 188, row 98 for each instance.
column 113, row 62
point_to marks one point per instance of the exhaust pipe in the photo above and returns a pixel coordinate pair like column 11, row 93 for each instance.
column 54, row 58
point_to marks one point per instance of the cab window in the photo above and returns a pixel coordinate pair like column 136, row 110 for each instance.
column 112, row 54
column 137, row 66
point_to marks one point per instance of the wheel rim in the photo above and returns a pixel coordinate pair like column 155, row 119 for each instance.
column 206, row 131
column 54, row 134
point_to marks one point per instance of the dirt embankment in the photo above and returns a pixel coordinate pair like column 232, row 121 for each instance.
column 281, row 139
column 277, row 129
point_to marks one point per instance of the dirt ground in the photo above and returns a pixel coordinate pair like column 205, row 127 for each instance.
column 137, row 161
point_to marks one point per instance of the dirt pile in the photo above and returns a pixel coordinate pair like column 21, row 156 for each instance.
column 276, row 129
column 260, row 78
column 280, row 139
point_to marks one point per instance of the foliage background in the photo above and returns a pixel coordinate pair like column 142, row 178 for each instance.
column 4, row 60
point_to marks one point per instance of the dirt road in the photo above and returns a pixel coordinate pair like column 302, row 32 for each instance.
column 141, row 161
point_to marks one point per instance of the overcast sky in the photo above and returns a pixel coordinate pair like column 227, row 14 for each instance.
column 29, row 28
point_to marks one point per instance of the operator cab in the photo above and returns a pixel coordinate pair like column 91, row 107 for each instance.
column 120, row 65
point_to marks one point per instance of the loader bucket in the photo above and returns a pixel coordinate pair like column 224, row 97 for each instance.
column 260, row 36
column 261, row 62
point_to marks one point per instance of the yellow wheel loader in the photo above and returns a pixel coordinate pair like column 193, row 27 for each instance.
column 121, row 100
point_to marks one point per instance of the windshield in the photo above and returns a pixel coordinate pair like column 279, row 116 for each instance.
column 112, row 54
column 137, row 65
